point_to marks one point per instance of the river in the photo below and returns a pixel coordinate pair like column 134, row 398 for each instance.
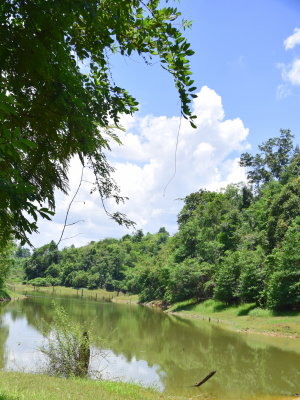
column 137, row 344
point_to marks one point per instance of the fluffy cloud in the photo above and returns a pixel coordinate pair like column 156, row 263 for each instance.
column 290, row 73
column 292, row 40
column 146, row 172
column 283, row 91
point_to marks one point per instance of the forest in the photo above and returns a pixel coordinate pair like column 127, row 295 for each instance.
column 238, row 245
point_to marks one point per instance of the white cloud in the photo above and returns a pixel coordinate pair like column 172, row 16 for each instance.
column 292, row 40
column 283, row 91
column 206, row 158
column 291, row 73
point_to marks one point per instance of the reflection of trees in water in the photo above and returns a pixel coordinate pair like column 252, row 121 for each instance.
column 185, row 351
column 4, row 331
column 38, row 314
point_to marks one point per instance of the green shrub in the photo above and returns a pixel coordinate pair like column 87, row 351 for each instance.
column 39, row 282
column 67, row 347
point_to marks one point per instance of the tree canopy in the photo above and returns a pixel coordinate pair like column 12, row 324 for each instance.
column 275, row 154
column 58, row 98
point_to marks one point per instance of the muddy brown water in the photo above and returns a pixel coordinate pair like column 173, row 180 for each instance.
column 137, row 344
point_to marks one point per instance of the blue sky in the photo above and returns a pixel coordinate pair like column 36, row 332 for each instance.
column 239, row 46
column 247, row 70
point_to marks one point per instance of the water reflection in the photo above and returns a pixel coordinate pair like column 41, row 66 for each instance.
column 119, row 368
column 21, row 338
column 158, row 350
column 22, row 345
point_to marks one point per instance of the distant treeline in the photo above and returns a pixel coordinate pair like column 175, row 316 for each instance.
column 241, row 244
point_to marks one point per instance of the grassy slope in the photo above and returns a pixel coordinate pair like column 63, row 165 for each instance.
column 245, row 317
column 20, row 386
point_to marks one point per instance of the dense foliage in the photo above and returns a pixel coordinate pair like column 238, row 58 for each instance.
column 241, row 244
column 6, row 262
column 106, row 263
column 58, row 98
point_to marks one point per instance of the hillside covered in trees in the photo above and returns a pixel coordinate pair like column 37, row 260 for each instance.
column 241, row 244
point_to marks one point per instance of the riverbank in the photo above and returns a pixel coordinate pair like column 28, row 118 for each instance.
column 95, row 294
column 20, row 386
column 126, row 299
column 17, row 386
column 56, row 291
column 243, row 318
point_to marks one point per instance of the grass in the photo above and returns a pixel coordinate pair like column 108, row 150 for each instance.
column 4, row 396
column 126, row 298
column 182, row 305
column 97, row 294
column 18, row 290
column 244, row 317
column 20, row 386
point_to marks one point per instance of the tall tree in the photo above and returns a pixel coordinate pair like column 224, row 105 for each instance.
column 52, row 109
column 275, row 155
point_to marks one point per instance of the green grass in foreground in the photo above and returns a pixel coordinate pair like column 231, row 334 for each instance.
column 242, row 317
column 20, row 386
